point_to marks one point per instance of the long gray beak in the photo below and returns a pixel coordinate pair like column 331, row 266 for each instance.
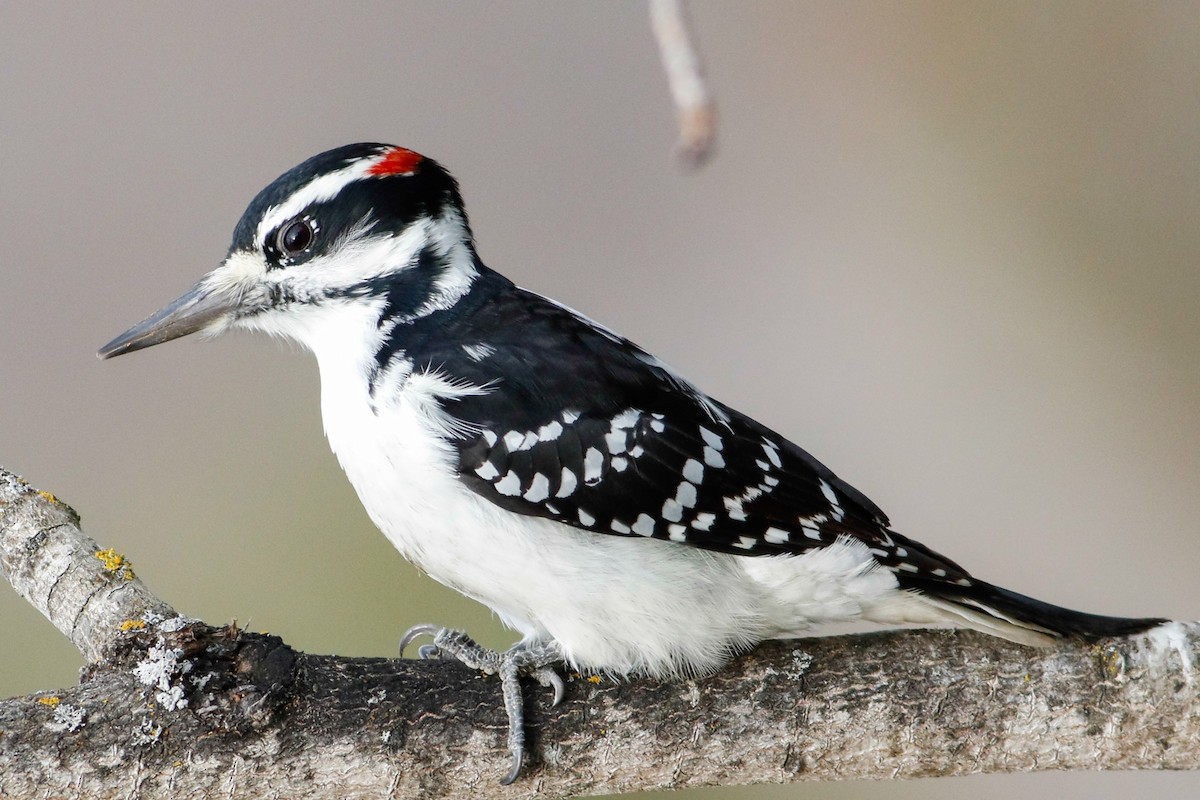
column 197, row 309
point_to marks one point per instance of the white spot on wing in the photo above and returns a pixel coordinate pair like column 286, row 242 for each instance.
column 627, row 418
column 711, row 439
column 586, row 518
column 644, row 525
column 672, row 511
column 776, row 536
column 693, row 470
column 548, row 433
column 704, row 521
column 685, row 495
column 620, row 527
column 713, row 457
column 772, row 453
column 539, row 489
column 566, row 484
column 488, row 471
column 509, row 485
column 736, row 505
column 513, row 439
column 827, row 490
column 593, row 461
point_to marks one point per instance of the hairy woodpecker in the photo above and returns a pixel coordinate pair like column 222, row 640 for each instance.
column 604, row 507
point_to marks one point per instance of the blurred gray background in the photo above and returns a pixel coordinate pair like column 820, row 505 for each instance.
column 950, row 248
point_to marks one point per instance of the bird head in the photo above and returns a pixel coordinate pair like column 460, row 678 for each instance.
column 370, row 227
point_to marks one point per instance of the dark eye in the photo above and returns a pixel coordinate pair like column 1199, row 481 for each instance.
column 294, row 237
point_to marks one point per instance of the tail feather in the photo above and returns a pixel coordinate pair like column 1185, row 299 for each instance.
column 1018, row 618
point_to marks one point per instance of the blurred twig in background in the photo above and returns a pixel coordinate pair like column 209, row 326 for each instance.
column 685, row 74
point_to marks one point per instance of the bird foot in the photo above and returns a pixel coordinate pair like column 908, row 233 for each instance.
column 536, row 661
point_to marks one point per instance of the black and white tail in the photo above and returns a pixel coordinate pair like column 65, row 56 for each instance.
column 1018, row 618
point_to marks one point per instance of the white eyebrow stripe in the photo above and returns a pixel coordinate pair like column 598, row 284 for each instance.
column 318, row 190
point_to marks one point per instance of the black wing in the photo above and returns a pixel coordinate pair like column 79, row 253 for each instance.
column 582, row 426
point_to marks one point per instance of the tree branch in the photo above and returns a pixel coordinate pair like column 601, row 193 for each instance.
column 87, row 593
column 170, row 707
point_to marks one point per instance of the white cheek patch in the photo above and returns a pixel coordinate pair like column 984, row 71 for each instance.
column 356, row 257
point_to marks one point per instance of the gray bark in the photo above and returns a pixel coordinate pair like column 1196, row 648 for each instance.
column 174, row 707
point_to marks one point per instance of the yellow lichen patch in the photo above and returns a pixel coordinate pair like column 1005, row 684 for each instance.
column 51, row 701
column 593, row 679
column 132, row 625
column 115, row 562
column 111, row 558
column 1112, row 660
column 49, row 498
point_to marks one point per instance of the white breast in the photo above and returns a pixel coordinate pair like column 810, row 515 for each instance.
column 614, row 604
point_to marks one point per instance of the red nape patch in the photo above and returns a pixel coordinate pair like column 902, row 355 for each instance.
column 397, row 161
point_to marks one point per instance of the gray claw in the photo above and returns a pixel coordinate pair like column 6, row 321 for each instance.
column 517, row 762
column 514, row 707
column 424, row 629
column 548, row 676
